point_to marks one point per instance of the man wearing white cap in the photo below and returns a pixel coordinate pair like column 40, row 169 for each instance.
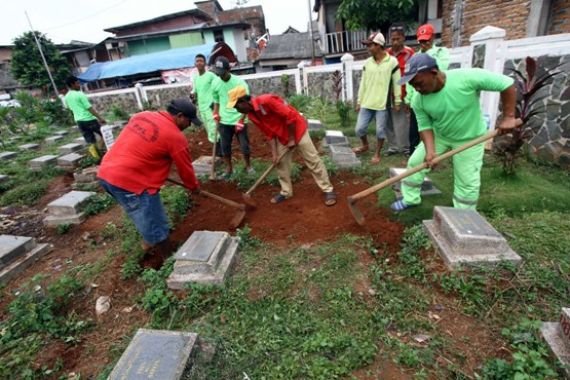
column 381, row 72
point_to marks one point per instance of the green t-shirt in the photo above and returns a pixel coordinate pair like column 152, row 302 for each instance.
column 203, row 89
column 374, row 86
column 454, row 112
column 228, row 116
column 78, row 103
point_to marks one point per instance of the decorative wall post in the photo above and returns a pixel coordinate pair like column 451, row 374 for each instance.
column 487, row 54
column 347, row 86
column 303, row 78
column 140, row 94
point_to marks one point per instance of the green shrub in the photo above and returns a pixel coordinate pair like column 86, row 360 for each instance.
column 300, row 102
column 27, row 194
column 98, row 203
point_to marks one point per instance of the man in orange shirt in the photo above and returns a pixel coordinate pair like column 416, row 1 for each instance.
column 139, row 162
column 285, row 129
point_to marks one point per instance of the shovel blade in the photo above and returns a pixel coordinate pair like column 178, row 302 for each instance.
column 237, row 219
column 355, row 211
column 249, row 201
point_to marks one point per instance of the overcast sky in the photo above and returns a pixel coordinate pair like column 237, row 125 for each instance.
column 66, row 20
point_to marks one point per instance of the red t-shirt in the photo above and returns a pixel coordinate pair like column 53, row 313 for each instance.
column 273, row 116
column 402, row 57
column 141, row 157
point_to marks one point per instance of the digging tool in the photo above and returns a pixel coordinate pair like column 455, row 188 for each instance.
column 213, row 171
column 238, row 217
column 352, row 199
column 247, row 195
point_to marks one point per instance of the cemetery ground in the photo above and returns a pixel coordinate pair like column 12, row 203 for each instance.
column 312, row 296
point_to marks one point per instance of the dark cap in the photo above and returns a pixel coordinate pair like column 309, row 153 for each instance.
column 186, row 108
column 419, row 62
column 222, row 64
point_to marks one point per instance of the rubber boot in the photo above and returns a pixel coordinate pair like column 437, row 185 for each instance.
column 92, row 149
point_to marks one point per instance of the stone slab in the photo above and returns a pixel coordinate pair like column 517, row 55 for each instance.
column 155, row 354
column 179, row 281
column 334, row 137
column 61, row 132
column 69, row 204
column 7, row 155
column 343, row 156
column 80, row 141
column 29, row 147
column 315, row 125
column 53, row 221
column 3, row 178
column 552, row 334
column 13, row 246
column 24, row 262
column 53, row 140
column 428, row 188
column 70, row 148
column 71, row 159
column 43, row 161
column 203, row 165
column 87, row 175
column 565, row 324
column 474, row 244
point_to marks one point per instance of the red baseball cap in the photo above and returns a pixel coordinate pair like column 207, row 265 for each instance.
column 425, row 32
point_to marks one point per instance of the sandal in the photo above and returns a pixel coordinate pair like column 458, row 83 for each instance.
column 360, row 149
column 400, row 205
column 330, row 198
column 278, row 198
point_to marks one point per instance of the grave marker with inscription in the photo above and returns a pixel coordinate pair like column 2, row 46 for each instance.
column 557, row 335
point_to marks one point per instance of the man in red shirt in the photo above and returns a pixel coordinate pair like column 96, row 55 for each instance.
column 138, row 164
column 397, row 132
column 285, row 129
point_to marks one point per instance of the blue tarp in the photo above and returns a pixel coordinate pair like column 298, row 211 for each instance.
column 147, row 63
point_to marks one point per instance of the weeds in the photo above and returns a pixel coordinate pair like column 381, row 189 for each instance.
column 98, row 203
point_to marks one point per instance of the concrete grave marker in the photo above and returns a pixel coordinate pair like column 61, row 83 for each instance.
column 203, row 165
column 155, row 354
column 68, row 209
column 70, row 148
column 7, row 155
column 41, row 162
column 29, row 147
column 557, row 335
column 205, row 258
column 53, row 140
column 334, row 138
column 86, row 175
column 80, row 141
column 464, row 237
column 428, row 188
column 17, row 253
column 108, row 136
column 69, row 161
column 3, row 178
column 343, row 156
column 61, row 132
column 315, row 125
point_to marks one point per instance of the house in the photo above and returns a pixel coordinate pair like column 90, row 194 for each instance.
column 7, row 81
column 208, row 23
column 519, row 18
column 285, row 51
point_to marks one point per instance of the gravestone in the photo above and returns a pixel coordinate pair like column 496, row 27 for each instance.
column 343, row 156
column 464, row 237
column 68, row 209
column 315, row 125
column 334, row 138
column 61, row 132
column 17, row 253
column 42, row 162
column 69, row 161
column 53, row 140
column 86, row 175
column 7, row 155
column 29, row 147
column 70, row 148
column 557, row 335
column 3, row 178
column 203, row 165
column 205, row 258
column 80, row 141
column 428, row 188
column 155, row 354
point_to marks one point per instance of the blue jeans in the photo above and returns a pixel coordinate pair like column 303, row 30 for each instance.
column 365, row 116
column 145, row 210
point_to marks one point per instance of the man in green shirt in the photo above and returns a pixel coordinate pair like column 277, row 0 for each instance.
column 202, row 94
column 449, row 115
column 380, row 71
column 84, row 114
column 230, row 122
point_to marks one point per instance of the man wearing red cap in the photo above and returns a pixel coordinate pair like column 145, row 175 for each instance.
column 425, row 35
column 379, row 74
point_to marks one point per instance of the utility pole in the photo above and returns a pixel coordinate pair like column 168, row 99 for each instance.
column 311, row 34
column 43, row 57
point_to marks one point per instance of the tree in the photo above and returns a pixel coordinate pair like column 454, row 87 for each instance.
column 27, row 64
column 375, row 14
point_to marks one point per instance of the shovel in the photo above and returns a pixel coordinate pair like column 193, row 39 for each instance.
column 238, row 217
column 352, row 199
column 247, row 195
column 213, row 171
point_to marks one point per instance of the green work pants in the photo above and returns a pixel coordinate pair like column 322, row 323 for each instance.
column 466, row 173
column 207, row 118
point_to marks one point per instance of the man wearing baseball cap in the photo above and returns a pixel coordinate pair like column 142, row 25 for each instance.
column 380, row 74
column 425, row 36
column 138, row 164
column 229, row 121
column 449, row 115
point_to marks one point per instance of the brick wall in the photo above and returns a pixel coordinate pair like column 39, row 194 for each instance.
column 510, row 15
column 560, row 17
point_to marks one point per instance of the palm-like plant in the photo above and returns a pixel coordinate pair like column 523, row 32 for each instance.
column 529, row 105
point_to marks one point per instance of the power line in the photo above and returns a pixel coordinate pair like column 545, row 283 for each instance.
column 86, row 17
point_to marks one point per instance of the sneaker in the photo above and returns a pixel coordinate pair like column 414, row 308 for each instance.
column 400, row 205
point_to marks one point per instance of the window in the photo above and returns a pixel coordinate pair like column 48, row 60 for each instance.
column 219, row 35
